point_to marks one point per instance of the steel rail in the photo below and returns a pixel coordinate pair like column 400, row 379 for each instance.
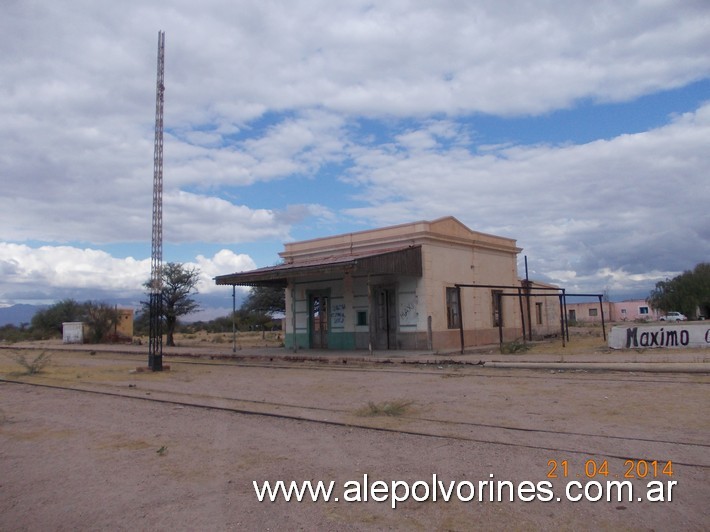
column 351, row 425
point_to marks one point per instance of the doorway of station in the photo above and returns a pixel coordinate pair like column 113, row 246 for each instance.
column 385, row 313
column 318, row 317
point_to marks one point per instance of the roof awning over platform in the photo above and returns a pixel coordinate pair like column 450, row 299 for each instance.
column 399, row 261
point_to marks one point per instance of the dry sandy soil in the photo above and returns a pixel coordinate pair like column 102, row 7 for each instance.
column 91, row 444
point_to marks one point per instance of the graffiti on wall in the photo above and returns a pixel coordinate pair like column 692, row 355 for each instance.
column 655, row 336
column 337, row 315
column 408, row 309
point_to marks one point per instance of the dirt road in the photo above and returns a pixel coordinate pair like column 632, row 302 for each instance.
column 91, row 444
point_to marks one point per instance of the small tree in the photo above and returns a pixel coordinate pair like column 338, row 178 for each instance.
column 35, row 365
column 141, row 321
column 50, row 320
column 266, row 300
column 685, row 293
column 179, row 284
column 262, row 302
column 101, row 318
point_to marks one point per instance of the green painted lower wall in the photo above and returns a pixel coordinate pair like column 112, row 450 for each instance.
column 336, row 341
column 341, row 340
column 302, row 341
column 442, row 340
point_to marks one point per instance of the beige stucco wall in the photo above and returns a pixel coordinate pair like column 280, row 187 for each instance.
column 446, row 264
column 550, row 310
column 582, row 311
column 633, row 310
column 448, row 229
column 451, row 254
column 124, row 326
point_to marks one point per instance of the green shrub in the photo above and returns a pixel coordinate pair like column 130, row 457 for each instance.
column 516, row 346
column 32, row 366
column 387, row 408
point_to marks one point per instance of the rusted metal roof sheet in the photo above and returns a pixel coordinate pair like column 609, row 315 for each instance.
column 401, row 261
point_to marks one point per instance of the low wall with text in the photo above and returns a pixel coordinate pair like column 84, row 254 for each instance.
column 657, row 336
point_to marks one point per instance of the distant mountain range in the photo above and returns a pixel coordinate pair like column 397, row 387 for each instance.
column 210, row 308
column 18, row 314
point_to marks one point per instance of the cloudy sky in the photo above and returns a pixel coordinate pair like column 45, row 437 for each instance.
column 581, row 129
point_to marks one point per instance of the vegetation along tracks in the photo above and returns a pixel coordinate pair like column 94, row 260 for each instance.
column 434, row 366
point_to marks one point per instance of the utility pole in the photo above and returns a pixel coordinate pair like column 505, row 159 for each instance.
column 155, row 349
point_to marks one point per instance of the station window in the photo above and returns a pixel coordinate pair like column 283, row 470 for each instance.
column 361, row 317
column 452, row 308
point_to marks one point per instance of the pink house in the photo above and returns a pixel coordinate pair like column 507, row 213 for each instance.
column 634, row 310
column 629, row 310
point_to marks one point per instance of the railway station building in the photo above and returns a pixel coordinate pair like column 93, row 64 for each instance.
column 429, row 285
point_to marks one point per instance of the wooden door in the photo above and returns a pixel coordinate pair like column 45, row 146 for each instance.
column 319, row 321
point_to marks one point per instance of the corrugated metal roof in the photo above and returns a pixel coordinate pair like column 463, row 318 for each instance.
column 402, row 261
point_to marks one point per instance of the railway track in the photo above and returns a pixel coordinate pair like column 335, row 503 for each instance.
column 603, row 445
column 433, row 367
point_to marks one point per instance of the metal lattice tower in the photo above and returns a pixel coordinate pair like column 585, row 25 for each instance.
column 155, row 350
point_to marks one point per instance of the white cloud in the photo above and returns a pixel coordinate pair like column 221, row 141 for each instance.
column 194, row 218
column 264, row 91
column 49, row 273
column 604, row 204
column 43, row 272
column 223, row 262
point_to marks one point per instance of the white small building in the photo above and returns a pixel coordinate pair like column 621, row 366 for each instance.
column 73, row 332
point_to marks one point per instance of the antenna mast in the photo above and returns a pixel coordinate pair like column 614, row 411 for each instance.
column 155, row 350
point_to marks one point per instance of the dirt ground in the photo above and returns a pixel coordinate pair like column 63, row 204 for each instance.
column 89, row 443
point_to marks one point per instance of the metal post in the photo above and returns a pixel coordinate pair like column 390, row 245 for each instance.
column 371, row 310
column 522, row 315
column 429, row 335
column 601, row 307
column 566, row 321
column 562, row 320
column 387, row 317
column 234, row 318
column 293, row 317
column 499, row 297
column 155, row 345
column 527, row 298
column 459, row 308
